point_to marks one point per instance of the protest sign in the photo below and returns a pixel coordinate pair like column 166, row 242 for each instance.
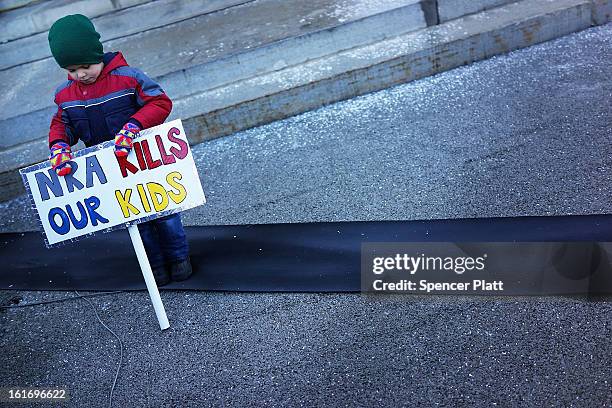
column 104, row 192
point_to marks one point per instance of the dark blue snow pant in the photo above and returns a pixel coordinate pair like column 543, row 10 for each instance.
column 164, row 240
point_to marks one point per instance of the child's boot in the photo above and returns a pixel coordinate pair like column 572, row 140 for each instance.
column 161, row 275
column 181, row 270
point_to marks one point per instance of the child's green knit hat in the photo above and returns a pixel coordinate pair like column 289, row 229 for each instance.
column 74, row 41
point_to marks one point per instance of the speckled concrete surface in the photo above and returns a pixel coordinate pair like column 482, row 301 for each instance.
column 323, row 350
column 523, row 134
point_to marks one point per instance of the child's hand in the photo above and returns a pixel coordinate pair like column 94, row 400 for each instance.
column 124, row 139
column 60, row 158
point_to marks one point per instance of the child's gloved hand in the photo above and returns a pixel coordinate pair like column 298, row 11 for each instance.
column 60, row 158
column 124, row 139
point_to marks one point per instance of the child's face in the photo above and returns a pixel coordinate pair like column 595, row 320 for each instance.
column 86, row 73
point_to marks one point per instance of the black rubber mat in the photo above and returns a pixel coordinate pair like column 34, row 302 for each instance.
column 318, row 257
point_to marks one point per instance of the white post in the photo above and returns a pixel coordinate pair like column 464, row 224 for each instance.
column 160, row 312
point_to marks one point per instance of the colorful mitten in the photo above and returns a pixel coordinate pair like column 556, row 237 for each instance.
column 60, row 158
column 124, row 139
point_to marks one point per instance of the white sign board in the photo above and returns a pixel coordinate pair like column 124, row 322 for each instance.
column 103, row 192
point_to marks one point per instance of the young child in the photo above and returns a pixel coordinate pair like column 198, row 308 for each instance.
column 105, row 99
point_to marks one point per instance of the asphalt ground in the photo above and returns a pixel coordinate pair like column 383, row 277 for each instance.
column 522, row 134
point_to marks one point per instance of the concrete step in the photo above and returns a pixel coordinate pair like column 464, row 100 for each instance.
column 452, row 9
column 7, row 5
column 115, row 25
column 293, row 89
column 37, row 17
column 186, row 44
column 296, row 89
column 193, row 61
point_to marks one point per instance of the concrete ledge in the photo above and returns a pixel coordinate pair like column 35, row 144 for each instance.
column 116, row 25
column 294, row 51
column 39, row 17
column 452, row 9
column 30, row 111
column 204, row 39
column 295, row 90
column 6, row 5
column 602, row 12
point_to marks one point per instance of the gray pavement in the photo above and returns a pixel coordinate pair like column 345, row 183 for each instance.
column 315, row 350
column 522, row 134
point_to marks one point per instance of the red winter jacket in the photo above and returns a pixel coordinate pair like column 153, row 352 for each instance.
column 94, row 113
